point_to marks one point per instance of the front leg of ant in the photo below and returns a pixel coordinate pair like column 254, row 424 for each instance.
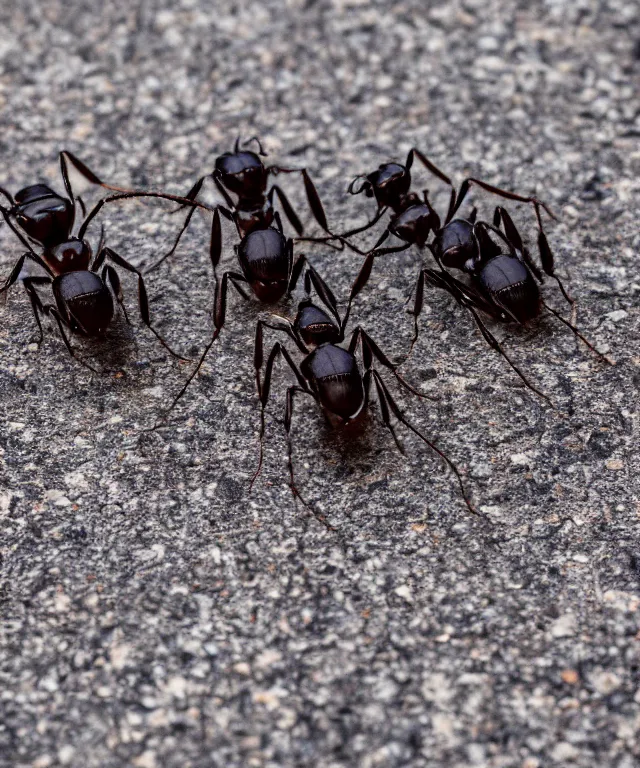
column 143, row 300
column 133, row 195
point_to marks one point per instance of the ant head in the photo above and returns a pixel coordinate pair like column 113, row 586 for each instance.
column 316, row 326
column 456, row 245
column 242, row 172
column 73, row 255
column 389, row 184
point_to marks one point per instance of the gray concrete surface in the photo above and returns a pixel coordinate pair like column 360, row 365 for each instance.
column 155, row 613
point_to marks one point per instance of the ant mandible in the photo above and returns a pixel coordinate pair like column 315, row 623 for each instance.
column 503, row 279
column 243, row 174
column 331, row 376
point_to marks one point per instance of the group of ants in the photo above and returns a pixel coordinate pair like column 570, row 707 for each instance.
column 501, row 276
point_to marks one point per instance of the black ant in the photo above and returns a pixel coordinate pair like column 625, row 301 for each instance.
column 243, row 174
column 503, row 279
column 414, row 218
column 330, row 375
column 266, row 259
column 83, row 302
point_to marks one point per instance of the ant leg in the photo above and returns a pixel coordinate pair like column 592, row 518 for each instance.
column 130, row 195
column 49, row 309
column 36, row 303
column 219, row 316
column 374, row 351
column 313, row 197
column 289, row 212
column 264, row 386
column 471, row 301
column 296, row 272
column 365, row 273
column 546, row 258
column 183, row 229
column 288, row 416
column 220, row 187
column 384, row 409
column 513, row 236
column 143, row 300
column 427, row 164
column 32, row 254
column 383, row 394
column 88, row 174
column 494, row 344
column 110, row 276
column 466, row 185
column 15, row 273
column 574, row 330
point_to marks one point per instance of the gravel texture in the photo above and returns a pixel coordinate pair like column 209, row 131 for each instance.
column 158, row 614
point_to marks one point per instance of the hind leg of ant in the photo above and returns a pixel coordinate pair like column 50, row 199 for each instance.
column 471, row 301
column 384, row 408
column 37, row 307
column 578, row 334
column 264, row 386
column 466, row 186
column 219, row 316
column 143, row 300
column 317, row 209
column 49, row 309
column 110, row 277
column 370, row 351
column 384, row 395
column 288, row 417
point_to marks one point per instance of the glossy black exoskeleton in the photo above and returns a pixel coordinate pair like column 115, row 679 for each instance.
column 503, row 278
column 243, row 174
column 414, row 219
column 329, row 373
column 266, row 259
column 83, row 299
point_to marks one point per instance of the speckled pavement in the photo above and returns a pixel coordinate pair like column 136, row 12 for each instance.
column 158, row 614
